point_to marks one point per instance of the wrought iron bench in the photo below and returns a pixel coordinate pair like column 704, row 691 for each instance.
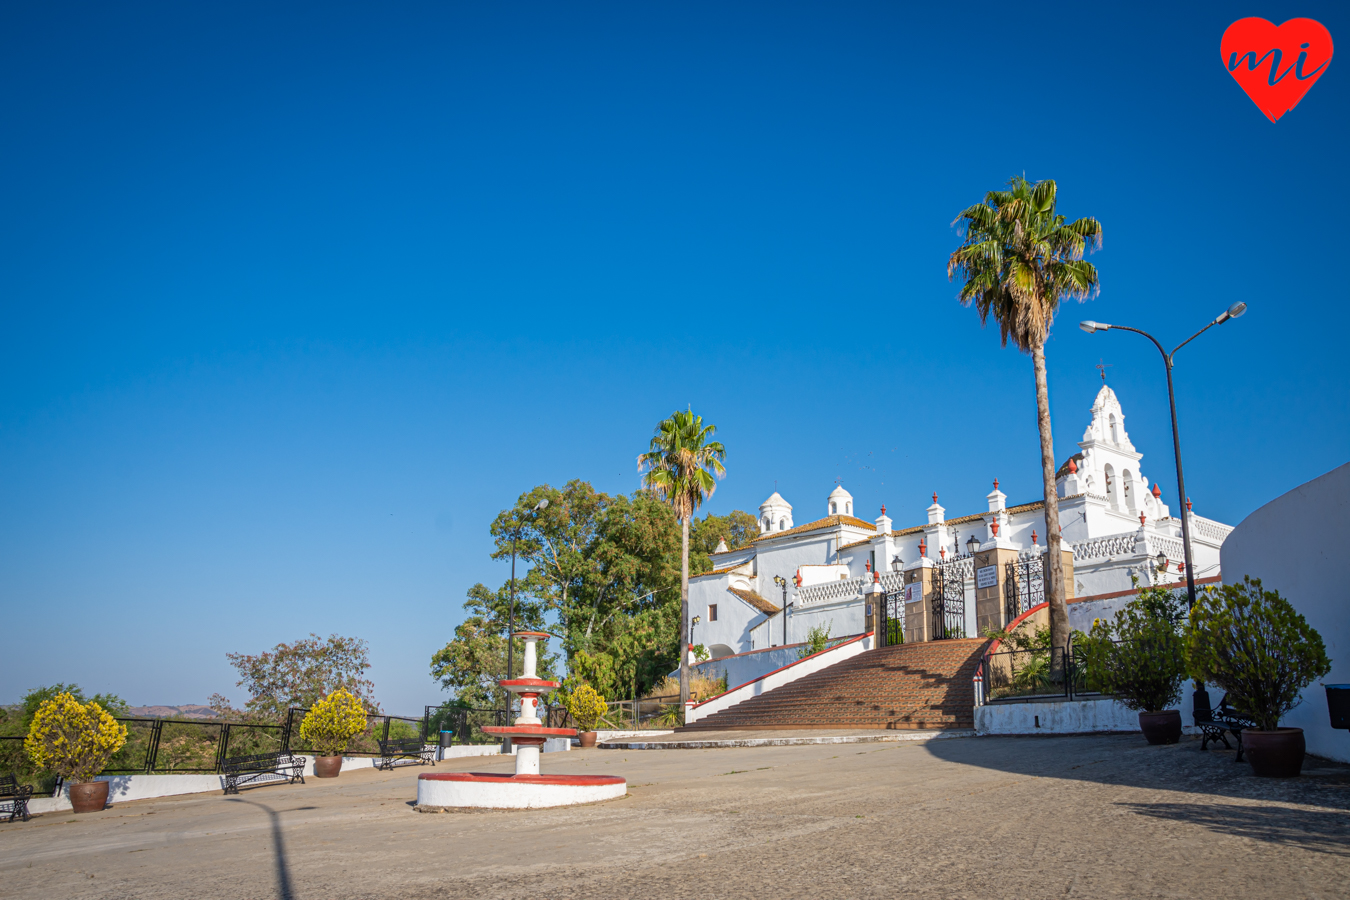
column 1213, row 724
column 14, row 797
column 405, row 748
column 243, row 769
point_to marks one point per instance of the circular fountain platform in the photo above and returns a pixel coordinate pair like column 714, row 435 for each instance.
column 451, row 790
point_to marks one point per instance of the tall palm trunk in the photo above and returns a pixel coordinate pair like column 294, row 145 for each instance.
column 684, row 615
column 1054, row 589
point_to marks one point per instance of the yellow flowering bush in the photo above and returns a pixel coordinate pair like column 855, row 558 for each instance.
column 73, row 739
column 586, row 706
column 332, row 722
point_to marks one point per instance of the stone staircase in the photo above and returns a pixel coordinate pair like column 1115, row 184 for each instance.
column 923, row 685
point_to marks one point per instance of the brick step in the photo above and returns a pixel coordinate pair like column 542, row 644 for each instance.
column 910, row 686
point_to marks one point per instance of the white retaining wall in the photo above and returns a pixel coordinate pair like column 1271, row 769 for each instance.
column 1055, row 717
column 1296, row 545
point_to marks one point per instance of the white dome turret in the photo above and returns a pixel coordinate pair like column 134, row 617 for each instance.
column 775, row 514
column 841, row 502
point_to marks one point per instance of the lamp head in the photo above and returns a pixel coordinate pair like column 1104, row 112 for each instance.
column 973, row 544
column 1090, row 326
column 695, row 620
column 1232, row 312
column 542, row 504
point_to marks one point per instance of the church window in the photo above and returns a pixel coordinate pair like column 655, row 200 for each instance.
column 1111, row 485
column 782, row 524
column 712, row 612
column 834, row 509
column 1125, row 479
column 848, row 507
column 1115, row 434
column 768, row 523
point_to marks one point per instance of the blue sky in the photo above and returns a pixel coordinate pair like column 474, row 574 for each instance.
column 295, row 299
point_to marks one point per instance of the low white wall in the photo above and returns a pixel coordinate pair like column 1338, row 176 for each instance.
column 1310, row 574
column 1056, row 717
column 125, row 788
column 785, row 675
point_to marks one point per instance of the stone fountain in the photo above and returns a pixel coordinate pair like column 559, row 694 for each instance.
column 527, row 788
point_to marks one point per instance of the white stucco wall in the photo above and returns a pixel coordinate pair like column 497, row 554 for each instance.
column 1296, row 544
column 1058, row 717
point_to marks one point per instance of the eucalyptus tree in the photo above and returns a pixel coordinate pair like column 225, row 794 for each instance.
column 682, row 465
column 1019, row 260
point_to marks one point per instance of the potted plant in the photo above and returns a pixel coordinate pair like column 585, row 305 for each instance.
column 75, row 740
column 329, row 726
column 1139, row 657
column 1253, row 643
column 587, row 707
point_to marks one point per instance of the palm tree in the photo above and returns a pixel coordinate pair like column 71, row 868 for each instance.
column 680, row 466
column 1019, row 260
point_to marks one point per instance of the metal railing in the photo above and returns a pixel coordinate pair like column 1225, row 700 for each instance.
column 1043, row 673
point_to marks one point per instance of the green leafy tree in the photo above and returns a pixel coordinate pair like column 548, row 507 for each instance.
column 682, row 465
column 1019, row 260
column 475, row 660
column 737, row 528
column 300, row 673
column 1253, row 643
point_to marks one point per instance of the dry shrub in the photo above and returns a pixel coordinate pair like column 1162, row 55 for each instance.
column 701, row 686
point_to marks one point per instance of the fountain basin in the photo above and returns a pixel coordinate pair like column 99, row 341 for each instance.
column 480, row 790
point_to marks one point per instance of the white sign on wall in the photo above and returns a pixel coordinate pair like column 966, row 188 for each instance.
column 914, row 592
column 986, row 577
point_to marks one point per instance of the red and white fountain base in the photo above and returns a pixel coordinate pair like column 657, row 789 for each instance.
column 526, row 789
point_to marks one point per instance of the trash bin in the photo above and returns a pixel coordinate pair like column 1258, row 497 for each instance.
column 1338, row 704
column 447, row 737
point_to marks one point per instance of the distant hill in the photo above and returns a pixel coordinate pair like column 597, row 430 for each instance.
column 187, row 711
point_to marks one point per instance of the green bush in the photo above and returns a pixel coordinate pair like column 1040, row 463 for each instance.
column 1255, row 645
column 1139, row 656
column 817, row 639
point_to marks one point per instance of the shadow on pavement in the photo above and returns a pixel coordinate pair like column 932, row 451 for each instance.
column 284, row 891
column 1307, row 829
column 1126, row 760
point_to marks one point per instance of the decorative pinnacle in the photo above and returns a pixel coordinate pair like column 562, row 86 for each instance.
column 995, row 484
column 993, row 526
column 883, row 509
column 1141, row 518
column 1073, row 466
column 1033, row 536
column 923, row 548
column 1156, row 491
column 1188, row 504
column 934, row 496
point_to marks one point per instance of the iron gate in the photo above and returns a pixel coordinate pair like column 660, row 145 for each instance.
column 892, row 619
column 948, row 602
column 1024, row 584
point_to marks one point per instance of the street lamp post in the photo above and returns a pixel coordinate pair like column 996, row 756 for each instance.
column 511, row 618
column 1232, row 312
column 782, row 583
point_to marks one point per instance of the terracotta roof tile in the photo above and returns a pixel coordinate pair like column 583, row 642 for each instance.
column 827, row 522
column 754, row 600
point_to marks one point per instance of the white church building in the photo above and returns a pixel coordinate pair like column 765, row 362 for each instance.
column 1112, row 519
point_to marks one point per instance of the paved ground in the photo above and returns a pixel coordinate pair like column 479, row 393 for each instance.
column 694, row 739
column 1100, row 817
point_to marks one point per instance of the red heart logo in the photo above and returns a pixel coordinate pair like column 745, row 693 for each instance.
column 1276, row 65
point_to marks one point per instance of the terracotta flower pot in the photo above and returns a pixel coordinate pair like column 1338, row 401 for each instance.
column 1161, row 727
column 588, row 738
column 327, row 766
column 89, row 796
column 1274, row 754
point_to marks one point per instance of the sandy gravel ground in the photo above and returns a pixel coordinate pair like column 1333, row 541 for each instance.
column 1099, row 817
